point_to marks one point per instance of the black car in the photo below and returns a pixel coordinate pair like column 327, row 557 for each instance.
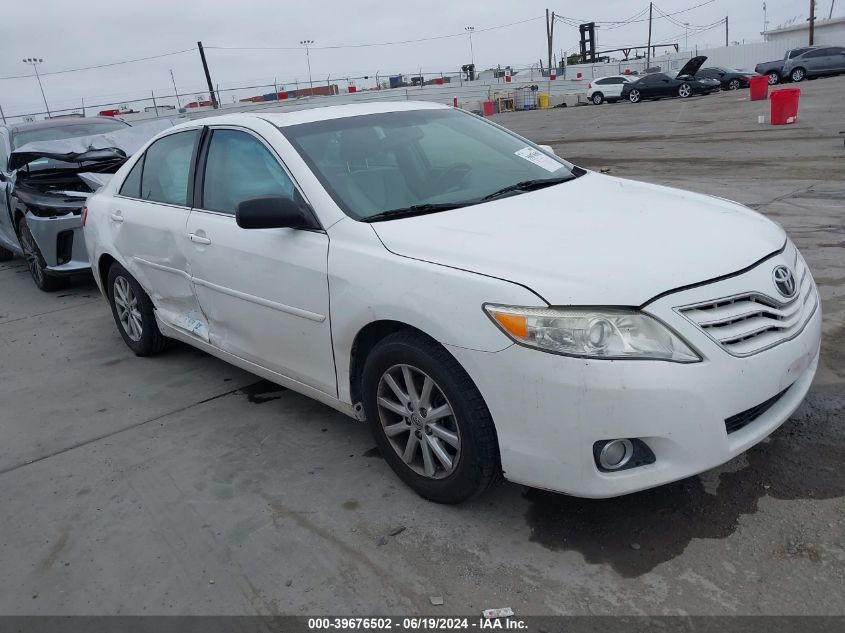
column 730, row 78
column 684, row 84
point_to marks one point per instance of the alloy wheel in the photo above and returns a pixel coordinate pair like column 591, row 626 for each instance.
column 128, row 312
column 418, row 421
column 634, row 97
column 685, row 90
column 30, row 252
column 597, row 99
column 733, row 84
column 774, row 78
column 798, row 75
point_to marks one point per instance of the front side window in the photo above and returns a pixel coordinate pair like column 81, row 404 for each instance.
column 167, row 168
column 427, row 158
column 240, row 167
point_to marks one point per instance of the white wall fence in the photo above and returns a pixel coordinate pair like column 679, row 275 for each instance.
column 742, row 56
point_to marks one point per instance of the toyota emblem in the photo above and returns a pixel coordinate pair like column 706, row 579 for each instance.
column 784, row 281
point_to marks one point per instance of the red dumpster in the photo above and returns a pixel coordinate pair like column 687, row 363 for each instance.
column 758, row 88
column 488, row 108
column 785, row 105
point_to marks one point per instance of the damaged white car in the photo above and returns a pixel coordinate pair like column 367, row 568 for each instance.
column 489, row 308
column 47, row 171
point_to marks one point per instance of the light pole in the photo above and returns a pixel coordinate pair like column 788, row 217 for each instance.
column 686, row 35
column 34, row 61
column 175, row 90
column 307, row 44
column 470, row 29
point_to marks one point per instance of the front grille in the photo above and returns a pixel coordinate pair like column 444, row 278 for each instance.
column 744, row 418
column 749, row 323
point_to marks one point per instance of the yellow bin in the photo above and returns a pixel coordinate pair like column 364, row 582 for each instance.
column 543, row 98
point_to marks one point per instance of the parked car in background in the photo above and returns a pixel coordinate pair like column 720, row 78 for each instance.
column 402, row 263
column 43, row 187
column 774, row 69
column 659, row 85
column 728, row 78
column 820, row 62
column 607, row 88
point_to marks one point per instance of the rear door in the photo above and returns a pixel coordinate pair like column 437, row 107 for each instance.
column 148, row 218
column 816, row 62
column 265, row 291
column 837, row 59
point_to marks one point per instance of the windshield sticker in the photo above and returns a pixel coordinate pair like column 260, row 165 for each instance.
column 539, row 158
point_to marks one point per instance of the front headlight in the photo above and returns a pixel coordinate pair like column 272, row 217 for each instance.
column 591, row 332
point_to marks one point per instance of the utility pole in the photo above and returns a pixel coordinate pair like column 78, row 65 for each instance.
column 812, row 19
column 648, row 51
column 470, row 29
column 550, row 33
column 830, row 15
column 307, row 44
column 175, row 90
column 208, row 77
column 34, row 61
column 726, row 32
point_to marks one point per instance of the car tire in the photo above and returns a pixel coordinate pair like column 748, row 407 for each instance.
column 634, row 96
column 597, row 98
column 774, row 78
column 134, row 313
column 685, row 90
column 734, row 84
column 400, row 421
column 798, row 74
column 5, row 254
column 35, row 260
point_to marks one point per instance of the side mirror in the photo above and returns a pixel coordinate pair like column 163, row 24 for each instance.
column 548, row 149
column 272, row 212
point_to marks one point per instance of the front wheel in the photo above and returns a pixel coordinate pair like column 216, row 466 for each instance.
column 134, row 313
column 774, row 78
column 684, row 91
column 598, row 98
column 798, row 74
column 429, row 419
column 734, row 84
column 35, row 260
column 634, row 96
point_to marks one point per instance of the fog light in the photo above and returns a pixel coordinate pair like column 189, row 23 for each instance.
column 615, row 454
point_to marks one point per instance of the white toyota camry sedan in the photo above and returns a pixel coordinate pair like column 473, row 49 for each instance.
column 487, row 307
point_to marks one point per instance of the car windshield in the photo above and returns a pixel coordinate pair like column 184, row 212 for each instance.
column 420, row 161
column 52, row 133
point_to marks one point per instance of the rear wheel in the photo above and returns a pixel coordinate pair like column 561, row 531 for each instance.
column 798, row 74
column 634, row 96
column 774, row 78
column 134, row 313
column 684, row 90
column 35, row 260
column 598, row 98
column 429, row 419
column 734, row 84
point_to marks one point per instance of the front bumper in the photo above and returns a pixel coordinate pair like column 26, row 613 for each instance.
column 61, row 242
column 549, row 410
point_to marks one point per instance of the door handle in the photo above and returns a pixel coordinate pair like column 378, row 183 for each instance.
column 117, row 216
column 199, row 239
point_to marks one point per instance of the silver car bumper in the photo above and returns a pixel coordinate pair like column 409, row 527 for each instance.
column 61, row 243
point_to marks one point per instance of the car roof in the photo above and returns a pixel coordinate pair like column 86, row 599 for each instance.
column 305, row 114
column 63, row 122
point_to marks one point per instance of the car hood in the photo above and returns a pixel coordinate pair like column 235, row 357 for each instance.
column 692, row 66
column 110, row 146
column 595, row 240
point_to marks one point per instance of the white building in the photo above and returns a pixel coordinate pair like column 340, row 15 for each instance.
column 825, row 32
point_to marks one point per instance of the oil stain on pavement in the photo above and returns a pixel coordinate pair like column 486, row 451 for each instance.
column 261, row 391
column 637, row 532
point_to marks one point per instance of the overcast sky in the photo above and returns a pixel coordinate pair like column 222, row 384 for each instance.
column 78, row 34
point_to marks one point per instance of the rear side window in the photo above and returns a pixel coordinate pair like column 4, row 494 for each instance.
column 167, row 168
column 131, row 187
column 822, row 52
column 239, row 167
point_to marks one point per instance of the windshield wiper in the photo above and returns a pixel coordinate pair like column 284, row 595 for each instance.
column 527, row 185
column 416, row 209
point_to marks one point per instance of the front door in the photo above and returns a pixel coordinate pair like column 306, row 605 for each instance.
column 148, row 219
column 264, row 291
